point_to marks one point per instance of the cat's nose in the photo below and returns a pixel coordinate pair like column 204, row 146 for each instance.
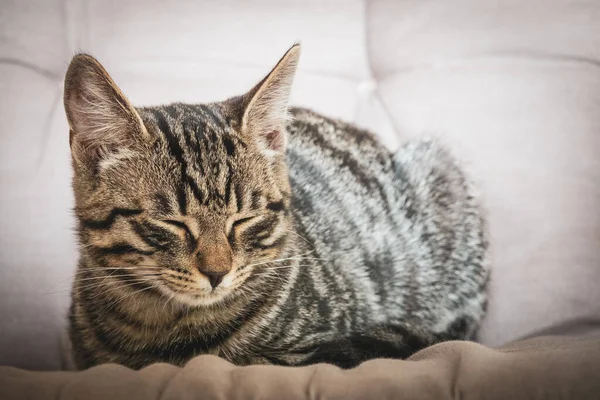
column 213, row 258
column 214, row 277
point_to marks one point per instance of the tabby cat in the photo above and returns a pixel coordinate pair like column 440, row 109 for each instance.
column 232, row 229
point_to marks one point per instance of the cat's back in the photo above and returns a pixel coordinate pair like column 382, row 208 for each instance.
column 404, row 229
column 341, row 178
column 338, row 163
column 321, row 136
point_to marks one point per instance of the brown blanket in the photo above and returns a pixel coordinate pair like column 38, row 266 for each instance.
column 543, row 368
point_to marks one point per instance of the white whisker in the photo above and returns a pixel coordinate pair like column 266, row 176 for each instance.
column 122, row 276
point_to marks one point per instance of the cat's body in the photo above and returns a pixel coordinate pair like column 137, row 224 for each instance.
column 362, row 254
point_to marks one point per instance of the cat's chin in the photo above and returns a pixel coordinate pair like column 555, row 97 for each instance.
column 194, row 300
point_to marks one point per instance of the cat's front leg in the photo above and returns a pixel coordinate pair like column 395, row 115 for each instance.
column 348, row 351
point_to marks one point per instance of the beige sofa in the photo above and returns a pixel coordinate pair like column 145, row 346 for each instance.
column 513, row 86
column 537, row 369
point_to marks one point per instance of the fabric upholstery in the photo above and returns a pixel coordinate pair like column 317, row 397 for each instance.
column 543, row 368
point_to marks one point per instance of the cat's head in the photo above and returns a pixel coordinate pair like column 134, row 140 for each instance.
column 189, row 199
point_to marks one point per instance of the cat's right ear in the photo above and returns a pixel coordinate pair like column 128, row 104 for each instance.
column 102, row 121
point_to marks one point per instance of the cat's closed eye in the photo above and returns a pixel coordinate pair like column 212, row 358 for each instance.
column 182, row 226
column 153, row 235
column 243, row 220
column 238, row 224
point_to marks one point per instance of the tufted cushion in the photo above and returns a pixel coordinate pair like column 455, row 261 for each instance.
column 513, row 86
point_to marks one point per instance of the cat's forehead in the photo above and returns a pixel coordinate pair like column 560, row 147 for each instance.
column 197, row 119
column 195, row 130
column 199, row 157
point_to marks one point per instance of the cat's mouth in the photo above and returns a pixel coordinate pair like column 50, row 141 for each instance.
column 195, row 290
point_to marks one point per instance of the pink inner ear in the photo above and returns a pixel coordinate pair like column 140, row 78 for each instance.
column 275, row 140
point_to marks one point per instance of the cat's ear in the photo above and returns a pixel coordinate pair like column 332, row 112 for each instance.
column 266, row 110
column 103, row 123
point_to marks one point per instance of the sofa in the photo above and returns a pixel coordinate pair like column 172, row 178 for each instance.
column 512, row 86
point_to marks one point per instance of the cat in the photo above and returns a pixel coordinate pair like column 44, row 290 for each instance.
column 232, row 229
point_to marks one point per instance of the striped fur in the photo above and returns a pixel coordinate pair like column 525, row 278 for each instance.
column 334, row 250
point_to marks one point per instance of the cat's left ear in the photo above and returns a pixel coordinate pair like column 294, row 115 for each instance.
column 266, row 110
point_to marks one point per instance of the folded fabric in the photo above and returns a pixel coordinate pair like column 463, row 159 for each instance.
column 540, row 368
